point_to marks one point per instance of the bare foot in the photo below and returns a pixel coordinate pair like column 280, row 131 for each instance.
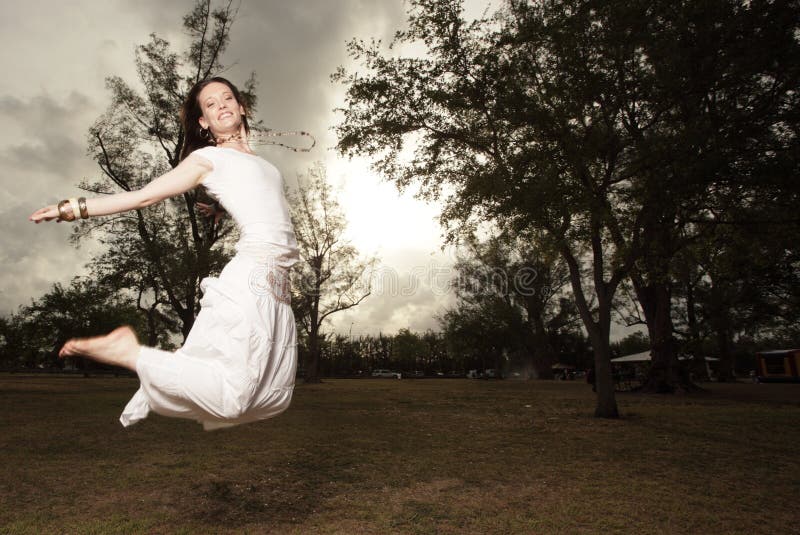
column 120, row 347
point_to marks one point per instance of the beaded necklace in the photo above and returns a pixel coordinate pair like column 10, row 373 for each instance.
column 263, row 137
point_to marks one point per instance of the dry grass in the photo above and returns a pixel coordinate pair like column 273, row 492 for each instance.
column 427, row 456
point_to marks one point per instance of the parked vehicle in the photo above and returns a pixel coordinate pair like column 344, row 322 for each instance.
column 489, row 373
column 386, row 373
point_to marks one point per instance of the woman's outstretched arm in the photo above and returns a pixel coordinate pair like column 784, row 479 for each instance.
column 186, row 176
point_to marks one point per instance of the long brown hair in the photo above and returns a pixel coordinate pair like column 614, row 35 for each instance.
column 191, row 112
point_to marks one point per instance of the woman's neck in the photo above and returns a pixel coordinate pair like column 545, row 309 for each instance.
column 241, row 146
column 235, row 140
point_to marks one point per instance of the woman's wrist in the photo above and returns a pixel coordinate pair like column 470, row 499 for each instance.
column 72, row 209
column 83, row 208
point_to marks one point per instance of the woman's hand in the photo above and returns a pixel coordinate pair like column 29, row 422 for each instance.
column 205, row 209
column 209, row 210
column 48, row 213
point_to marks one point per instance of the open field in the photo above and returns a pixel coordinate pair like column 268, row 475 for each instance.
column 387, row 456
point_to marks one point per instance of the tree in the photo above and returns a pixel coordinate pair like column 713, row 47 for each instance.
column 575, row 119
column 435, row 352
column 506, row 283
column 160, row 253
column 745, row 282
column 33, row 336
column 408, row 350
column 331, row 276
column 519, row 116
column 724, row 80
column 18, row 348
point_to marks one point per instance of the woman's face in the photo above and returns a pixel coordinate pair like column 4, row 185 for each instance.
column 221, row 113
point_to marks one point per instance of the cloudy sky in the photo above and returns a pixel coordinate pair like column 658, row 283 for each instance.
column 56, row 55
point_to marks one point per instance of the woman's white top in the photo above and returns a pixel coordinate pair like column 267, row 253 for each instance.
column 251, row 190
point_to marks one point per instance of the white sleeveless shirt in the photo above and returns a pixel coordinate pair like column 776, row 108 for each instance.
column 251, row 191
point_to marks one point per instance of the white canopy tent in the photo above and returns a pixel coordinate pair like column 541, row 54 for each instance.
column 645, row 356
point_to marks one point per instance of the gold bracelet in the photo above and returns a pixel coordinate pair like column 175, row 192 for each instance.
column 65, row 214
column 75, row 208
column 82, row 206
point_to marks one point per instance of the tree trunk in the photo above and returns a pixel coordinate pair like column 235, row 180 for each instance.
column 600, row 330
column 543, row 356
column 721, row 321
column 152, row 328
column 666, row 375
column 725, row 371
column 604, row 379
column 698, row 364
column 312, row 366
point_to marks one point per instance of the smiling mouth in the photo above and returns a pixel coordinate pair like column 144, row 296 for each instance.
column 224, row 115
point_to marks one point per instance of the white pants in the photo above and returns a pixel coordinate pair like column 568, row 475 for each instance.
column 239, row 361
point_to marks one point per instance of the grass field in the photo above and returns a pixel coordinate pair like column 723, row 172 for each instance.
column 387, row 456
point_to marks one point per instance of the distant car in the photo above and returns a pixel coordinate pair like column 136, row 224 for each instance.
column 489, row 373
column 386, row 373
column 415, row 373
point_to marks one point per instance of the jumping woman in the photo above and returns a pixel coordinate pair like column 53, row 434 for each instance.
column 239, row 360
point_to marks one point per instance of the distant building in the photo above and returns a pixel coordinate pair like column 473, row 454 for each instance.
column 779, row 366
